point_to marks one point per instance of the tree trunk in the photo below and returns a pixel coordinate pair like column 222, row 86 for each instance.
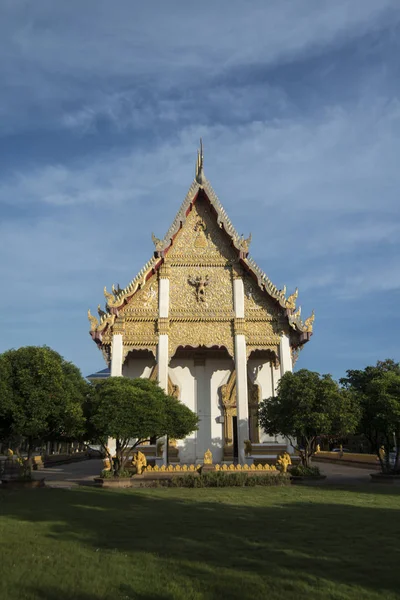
column 397, row 457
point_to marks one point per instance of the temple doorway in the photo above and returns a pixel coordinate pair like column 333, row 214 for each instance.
column 235, row 440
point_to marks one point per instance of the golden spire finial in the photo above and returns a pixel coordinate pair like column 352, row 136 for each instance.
column 291, row 301
column 200, row 164
column 308, row 323
column 94, row 323
column 109, row 297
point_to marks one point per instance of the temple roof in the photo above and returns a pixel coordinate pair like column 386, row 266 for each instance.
column 200, row 185
column 99, row 375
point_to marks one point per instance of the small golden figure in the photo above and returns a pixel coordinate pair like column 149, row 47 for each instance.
column 160, row 447
column 284, row 461
column 247, row 447
column 208, row 460
column 382, row 453
column 139, row 462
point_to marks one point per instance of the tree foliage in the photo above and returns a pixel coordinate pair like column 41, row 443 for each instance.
column 132, row 411
column 41, row 396
column 308, row 405
column 378, row 392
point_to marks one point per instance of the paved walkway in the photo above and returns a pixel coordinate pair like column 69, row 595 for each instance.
column 84, row 472
column 72, row 474
column 344, row 474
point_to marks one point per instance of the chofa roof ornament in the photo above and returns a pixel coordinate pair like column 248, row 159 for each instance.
column 200, row 177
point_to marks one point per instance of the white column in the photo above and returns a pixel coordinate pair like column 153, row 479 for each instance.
column 162, row 350
column 242, row 401
column 116, row 355
column 162, row 359
column 163, row 297
column 286, row 365
column 238, row 298
column 285, row 354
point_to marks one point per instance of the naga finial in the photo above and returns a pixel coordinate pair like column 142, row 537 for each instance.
column 244, row 244
column 109, row 297
column 308, row 323
column 297, row 314
column 200, row 164
column 291, row 301
column 94, row 323
column 157, row 243
column 101, row 312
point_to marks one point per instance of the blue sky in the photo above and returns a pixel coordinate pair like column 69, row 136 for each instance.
column 101, row 108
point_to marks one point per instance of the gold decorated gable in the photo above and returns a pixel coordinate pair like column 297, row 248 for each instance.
column 201, row 238
column 257, row 303
column 144, row 302
column 201, row 256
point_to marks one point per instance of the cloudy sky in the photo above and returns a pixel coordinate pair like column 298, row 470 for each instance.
column 101, row 108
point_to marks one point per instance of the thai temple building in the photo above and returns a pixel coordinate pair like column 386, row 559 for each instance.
column 204, row 320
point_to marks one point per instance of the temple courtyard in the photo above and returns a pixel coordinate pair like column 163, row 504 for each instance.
column 77, row 542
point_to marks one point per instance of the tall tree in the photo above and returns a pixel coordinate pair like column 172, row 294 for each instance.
column 378, row 391
column 308, row 405
column 132, row 411
column 43, row 396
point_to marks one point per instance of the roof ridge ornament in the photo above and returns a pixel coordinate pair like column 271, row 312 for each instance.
column 308, row 323
column 200, row 178
column 291, row 301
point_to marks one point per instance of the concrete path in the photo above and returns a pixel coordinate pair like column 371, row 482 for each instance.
column 84, row 472
column 72, row 474
column 344, row 474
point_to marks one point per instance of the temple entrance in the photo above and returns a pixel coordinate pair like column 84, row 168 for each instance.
column 228, row 400
column 198, row 374
column 235, row 440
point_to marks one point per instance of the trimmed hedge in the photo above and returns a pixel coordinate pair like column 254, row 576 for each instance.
column 300, row 470
column 218, row 479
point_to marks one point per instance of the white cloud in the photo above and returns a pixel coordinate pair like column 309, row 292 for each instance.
column 318, row 188
column 54, row 59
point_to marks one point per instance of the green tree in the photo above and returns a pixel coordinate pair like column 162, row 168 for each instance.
column 378, row 391
column 5, row 405
column 132, row 411
column 42, row 396
column 308, row 405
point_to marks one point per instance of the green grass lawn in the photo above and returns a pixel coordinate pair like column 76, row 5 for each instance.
column 235, row 543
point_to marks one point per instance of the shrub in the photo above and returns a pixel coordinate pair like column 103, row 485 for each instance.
column 218, row 479
column 112, row 475
column 303, row 471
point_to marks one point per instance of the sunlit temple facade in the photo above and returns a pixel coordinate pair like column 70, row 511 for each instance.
column 203, row 320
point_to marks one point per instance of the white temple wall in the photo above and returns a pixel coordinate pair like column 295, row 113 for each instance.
column 199, row 383
column 217, row 372
column 276, row 375
column 137, row 367
column 181, row 372
column 260, row 372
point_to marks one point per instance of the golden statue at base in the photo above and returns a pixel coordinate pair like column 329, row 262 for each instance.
column 247, row 447
column 318, row 448
column 208, row 457
column 10, row 453
column 106, row 464
column 284, row 461
column 382, row 453
column 139, row 462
